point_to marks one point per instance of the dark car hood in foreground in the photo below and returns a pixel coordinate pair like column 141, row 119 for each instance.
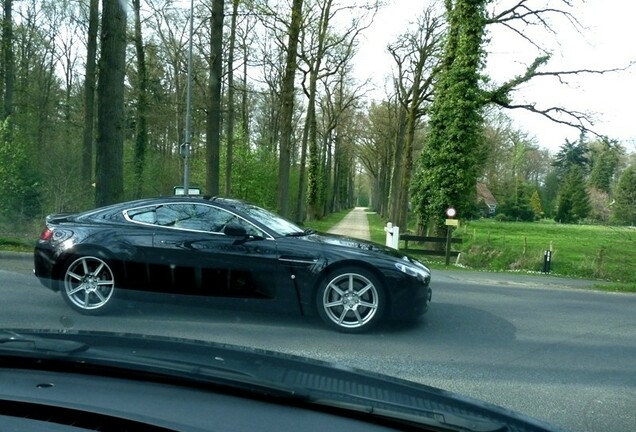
column 281, row 378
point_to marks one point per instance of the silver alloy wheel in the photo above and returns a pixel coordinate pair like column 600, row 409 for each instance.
column 350, row 300
column 89, row 283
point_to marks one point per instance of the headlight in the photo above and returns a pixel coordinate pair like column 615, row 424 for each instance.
column 414, row 270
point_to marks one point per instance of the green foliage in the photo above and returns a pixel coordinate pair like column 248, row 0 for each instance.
column 518, row 206
column 253, row 174
column 625, row 205
column 160, row 173
column 605, row 156
column 572, row 154
column 449, row 164
column 19, row 183
column 481, row 209
column 535, row 203
column 550, row 193
column 600, row 208
column 574, row 201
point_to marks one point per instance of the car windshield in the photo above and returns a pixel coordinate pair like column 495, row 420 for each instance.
column 272, row 221
column 416, row 210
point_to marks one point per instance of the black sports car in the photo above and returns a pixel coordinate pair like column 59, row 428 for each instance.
column 230, row 251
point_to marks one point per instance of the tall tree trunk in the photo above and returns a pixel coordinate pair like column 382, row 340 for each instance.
column 398, row 165
column 412, row 118
column 213, row 136
column 230, row 102
column 90, row 81
column 7, row 48
column 245, row 118
column 109, row 164
column 327, row 174
column 287, row 108
column 313, row 176
column 300, row 200
column 450, row 163
column 386, row 180
column 141, row 135
column 337, row 165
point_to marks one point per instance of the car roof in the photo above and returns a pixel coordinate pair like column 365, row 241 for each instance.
column 223, row 202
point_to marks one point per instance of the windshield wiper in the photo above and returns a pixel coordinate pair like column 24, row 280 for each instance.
column 12, row 341
column 437, row 420
column 308, row 231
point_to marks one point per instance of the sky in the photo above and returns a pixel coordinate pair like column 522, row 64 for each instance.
column 605, row 41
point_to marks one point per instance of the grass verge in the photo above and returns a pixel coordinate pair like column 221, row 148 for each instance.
column 603, row 253
column 586, row 251
column 327, row 222
column 16, row 244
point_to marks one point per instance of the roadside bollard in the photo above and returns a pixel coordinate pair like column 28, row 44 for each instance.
column 547, row 258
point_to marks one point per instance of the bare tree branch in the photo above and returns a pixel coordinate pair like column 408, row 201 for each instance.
column 518, row 18
column 501, row 96
column 573, row 118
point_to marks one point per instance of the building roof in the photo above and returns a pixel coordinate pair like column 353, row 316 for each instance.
column 483, row 193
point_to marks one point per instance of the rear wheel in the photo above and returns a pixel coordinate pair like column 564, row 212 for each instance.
column 88, row 285
column 351, row 300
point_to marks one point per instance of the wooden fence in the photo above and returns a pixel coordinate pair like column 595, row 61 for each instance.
column 446, row 251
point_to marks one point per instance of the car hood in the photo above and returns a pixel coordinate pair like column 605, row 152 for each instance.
column 349, row 242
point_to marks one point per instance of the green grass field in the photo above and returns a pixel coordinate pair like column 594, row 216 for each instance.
column 589, row 251
column 606, row 253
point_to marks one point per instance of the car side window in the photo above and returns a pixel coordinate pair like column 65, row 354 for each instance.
column 197, row 217
column 143, row 215
column 250, row 229
column 214, row 217
column 168, row 215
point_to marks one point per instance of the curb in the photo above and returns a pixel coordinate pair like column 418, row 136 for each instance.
column 16, row 255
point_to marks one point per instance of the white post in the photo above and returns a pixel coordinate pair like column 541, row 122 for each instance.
column 392, row 236
column 396, row 238
column 389, row 234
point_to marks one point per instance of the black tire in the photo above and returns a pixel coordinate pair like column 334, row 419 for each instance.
column 351, row 300
column 88, row 285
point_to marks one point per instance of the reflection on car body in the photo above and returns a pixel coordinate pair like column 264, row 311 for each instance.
column 229, row 249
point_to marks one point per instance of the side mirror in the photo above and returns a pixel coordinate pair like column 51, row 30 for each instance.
column 235, row 230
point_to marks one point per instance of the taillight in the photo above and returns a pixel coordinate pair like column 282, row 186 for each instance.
column 46, row 234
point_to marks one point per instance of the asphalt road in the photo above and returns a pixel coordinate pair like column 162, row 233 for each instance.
column 535, row 344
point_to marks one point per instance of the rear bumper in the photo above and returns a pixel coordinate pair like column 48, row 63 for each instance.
column 44, row 267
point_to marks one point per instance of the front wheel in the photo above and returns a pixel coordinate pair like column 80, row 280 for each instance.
column 351, row 300
column 88, row 285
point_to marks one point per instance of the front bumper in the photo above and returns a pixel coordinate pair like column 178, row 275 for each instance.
column 410, row 298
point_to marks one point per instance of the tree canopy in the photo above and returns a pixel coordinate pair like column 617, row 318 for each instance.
column 94, row 111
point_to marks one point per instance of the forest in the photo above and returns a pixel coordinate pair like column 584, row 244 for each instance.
column 105, row 101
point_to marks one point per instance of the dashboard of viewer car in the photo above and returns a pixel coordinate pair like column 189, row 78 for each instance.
column 60, row 401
